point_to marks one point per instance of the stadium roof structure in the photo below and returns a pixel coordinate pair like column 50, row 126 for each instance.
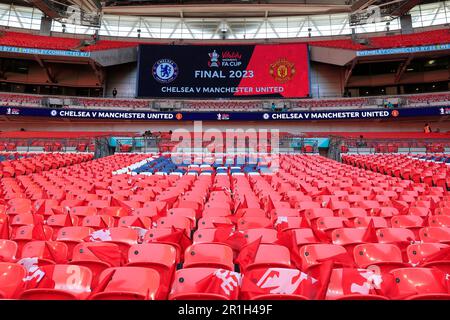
column 230, row 20
column 63, row 9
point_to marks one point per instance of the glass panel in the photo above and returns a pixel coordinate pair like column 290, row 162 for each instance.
column 210, row 28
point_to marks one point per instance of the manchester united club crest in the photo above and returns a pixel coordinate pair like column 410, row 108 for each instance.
column 282, row 70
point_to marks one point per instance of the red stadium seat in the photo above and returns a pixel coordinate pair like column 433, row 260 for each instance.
column 385, row 256
column 348, row 236
column 350, row 213
column 8, row 251
column 47, row 252
column 98, row 222
column 61, row 282
column 435, row 234
column 25, row 234
column 72, row 236
column 315, row 213
column 96, row 256
column 58, row 221
column 363, row 222
column 180, row 222
column 19, row 206
column 188, row 284
column 209, row 255
column 439, row 221
column 270, row 255
column 83, row 211
column 338, row 289
column 328, row 224
column 253, row 222
column 267, row 235
column 129, row 283
column 392, row 235
column 157, row 256
column 275, row 284
column 421, row 254
column 314, row 254
column 421, row 284
column 11, row 280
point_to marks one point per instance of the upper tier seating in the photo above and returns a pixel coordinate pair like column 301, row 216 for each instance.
column 27, row 40
column 337, row 253
column 396, row 41
column 19, row 39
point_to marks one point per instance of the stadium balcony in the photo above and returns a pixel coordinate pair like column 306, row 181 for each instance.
column 334, row 103
column 429, row 99
column 111, row 103
column 417, row 100
column 221, row 106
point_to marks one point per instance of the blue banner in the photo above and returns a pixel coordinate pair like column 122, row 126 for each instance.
column 222, row 116
column 47, row 52
column 363, row 53
column 125, row 140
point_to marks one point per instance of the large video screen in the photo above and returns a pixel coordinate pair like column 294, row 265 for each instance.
column 223, row 71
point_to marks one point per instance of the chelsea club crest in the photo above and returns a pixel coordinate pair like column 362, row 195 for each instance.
column 165, row 70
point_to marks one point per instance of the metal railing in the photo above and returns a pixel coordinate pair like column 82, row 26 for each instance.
column 339, row 145
column 168, row 105
column 79, row 144
column 289, row 144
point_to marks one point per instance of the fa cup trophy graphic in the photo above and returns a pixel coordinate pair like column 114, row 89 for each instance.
column 214, row 59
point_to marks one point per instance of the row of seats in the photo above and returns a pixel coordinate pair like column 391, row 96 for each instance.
column 431, row 173
column 15, row 155
column 221, row 106
column 331, row 103
column 11, row 99
column 49, row 146
column 112, row 103
column 39, row 163
column 393, row 147
column 8, row 146
column 428, row 98
column 104, row 272
column 303, row 221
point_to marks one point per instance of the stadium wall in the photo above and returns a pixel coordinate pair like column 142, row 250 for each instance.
column 326, row 80
column 65, row 74
column 123, row 78
column 407, row 78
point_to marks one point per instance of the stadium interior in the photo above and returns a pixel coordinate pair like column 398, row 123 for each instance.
column 225, row 150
